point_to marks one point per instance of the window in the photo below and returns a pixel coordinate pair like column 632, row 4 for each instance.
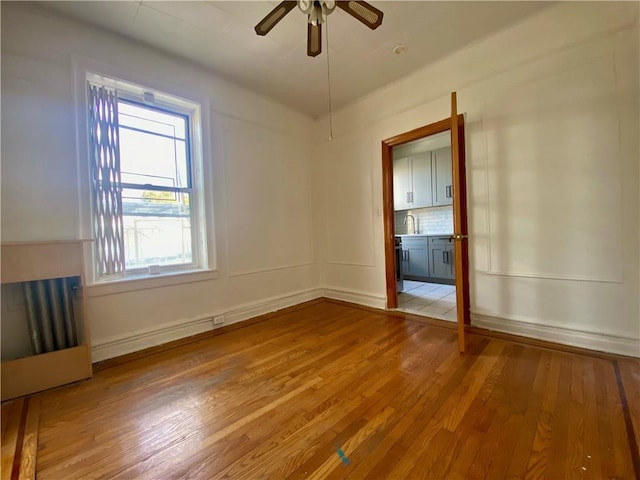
column 146, row 172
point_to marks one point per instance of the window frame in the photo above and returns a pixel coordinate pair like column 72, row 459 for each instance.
column 175, row 100
column 190, row 189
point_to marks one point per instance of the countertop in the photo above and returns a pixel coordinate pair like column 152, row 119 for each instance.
column 425, row 235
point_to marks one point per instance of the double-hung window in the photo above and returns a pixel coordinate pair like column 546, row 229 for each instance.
column 146, row 181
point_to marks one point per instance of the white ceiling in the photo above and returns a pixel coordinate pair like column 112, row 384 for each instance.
column 220, row 36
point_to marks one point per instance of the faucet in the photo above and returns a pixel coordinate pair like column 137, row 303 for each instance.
column 413, row 223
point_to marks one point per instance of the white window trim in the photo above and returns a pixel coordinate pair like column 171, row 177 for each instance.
column 85, row 69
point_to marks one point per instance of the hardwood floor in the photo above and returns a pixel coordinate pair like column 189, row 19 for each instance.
column 331, row 391
column 19, row 438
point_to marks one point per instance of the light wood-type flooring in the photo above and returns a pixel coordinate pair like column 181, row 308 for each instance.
column 328, row 390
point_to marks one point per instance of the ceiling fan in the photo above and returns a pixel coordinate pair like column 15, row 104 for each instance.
column 316, row 12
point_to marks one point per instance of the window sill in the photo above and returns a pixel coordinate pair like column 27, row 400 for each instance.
column 146, row 281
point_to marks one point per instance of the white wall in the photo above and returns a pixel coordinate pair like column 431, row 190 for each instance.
column 551, row 112
column 317, row 190
column 257, row 157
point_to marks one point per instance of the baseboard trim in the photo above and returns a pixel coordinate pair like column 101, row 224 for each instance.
column 135, row 341
column 600, row 342
column 354, row 296
column 132, row 342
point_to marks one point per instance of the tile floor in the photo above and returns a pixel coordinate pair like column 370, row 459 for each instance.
column 430, row 299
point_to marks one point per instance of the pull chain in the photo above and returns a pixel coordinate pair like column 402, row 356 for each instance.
column 326, row 24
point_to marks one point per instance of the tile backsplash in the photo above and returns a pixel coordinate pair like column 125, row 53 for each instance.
column 436, row 220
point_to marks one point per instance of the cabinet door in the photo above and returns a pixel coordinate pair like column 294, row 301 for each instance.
column 438, row 261
column 417, row 259
column 421, row 180
column 449, row 256
column 441, row 177
column 401, row 184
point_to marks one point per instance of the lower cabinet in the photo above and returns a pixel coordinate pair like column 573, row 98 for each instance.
column 428, row 259
column 416, row 258
column 441, row 258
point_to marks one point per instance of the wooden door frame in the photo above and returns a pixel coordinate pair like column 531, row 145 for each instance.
column 387, row 206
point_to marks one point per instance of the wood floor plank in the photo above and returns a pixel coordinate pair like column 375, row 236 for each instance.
column 541, row 449
column 592, row 467
column 506, row 447
column 621, row 450
column 559, row 422
column 575, row 460
column 30, row 440
column 524, row 442
column 297, row 394
column 4, row 417
column 10, row 437
column 628, row 379
column 630, row 371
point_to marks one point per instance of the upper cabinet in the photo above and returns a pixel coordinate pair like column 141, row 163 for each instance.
column 421, row 173
column 402, row 183
column 422, row 180
column 441, row 177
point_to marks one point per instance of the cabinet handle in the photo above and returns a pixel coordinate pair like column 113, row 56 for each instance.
column 408, row 201
column 444, row 256
column 449, row 191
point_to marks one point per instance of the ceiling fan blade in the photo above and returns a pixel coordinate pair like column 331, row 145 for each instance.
column 314, row 39
column 274, row 16
column 363, row 11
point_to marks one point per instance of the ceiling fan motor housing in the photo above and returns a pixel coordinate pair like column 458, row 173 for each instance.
column 317, row 10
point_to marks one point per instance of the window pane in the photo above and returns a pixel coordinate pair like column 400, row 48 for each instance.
column 157, row 228
column 148, row 158
column 151, row 120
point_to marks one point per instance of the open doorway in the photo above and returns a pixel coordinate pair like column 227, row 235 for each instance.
column 425, row 236
column 423, row 221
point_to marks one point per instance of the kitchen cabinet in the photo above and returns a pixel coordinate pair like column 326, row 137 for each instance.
column 442, row 186
column 421, row 195
column 428, row 258
column 423, row 180
column 402, row 183
column 415, row 256
column 412, row 182
column 441, row 258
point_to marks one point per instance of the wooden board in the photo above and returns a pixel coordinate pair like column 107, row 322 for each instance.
column 13, row 418
column 39, row 372
column 30, row 441
column 459, row 224
column 23, row 262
